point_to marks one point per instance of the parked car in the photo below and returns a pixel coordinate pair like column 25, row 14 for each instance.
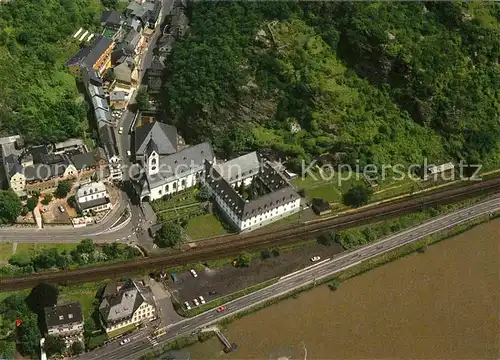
column 196, row 303
column 61, row 208
column 186, row 304
column 120, row 130
column 221, row 309
column 124, row 341
column 195, row 275
column 129, row 154
column 315, row 258
column 202, row 299
column 212, row 292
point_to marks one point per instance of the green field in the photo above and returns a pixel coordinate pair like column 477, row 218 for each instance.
column 205, row 226
column 85, row 294
column 5, row 251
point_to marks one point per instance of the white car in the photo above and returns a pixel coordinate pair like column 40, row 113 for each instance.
column 202, row 300
column 195, row 275
column 186, row 304
column 124, row 341
column 61, row 208
column 129, row 154
column 315, row 258
column 195, row 302
column 120, row 130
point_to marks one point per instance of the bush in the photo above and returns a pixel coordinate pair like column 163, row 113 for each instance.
column 54, row 345
column 47, row 199
column 334, row 284
column 31, row 203
column 265, row 254
column 328, row 238
column 77, row 348
column 20, row 259
column 96, row 341
column 276, row 252
column 357, row 196
column 63, row 188
column 243, row 260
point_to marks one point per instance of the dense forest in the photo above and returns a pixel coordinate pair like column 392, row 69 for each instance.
column 379, row 82
column 38, row 98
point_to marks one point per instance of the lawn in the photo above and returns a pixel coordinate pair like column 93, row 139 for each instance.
column 178, row 200
column 328, row 187
column 28, row 247
column 83, row 293
column 204, row 226
column 5, row 251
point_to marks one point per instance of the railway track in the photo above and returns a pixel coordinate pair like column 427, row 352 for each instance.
column 231, row 245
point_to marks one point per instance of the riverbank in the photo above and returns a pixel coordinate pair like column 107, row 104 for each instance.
column 363, row 267
column 439, row 304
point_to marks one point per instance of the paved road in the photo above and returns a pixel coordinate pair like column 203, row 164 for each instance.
column 140, row 345
column 124, row 140
column 104, row 231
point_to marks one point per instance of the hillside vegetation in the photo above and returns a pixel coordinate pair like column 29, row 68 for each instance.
column 38, row 98
column 379, row 82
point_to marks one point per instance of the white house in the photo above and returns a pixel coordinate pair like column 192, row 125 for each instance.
column 93, row 197
column 278, row 199
column 130, row 303
column 64, row 320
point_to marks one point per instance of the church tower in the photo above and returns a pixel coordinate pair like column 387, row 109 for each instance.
column 152, row 158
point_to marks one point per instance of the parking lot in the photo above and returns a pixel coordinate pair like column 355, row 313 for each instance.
column 214, row 283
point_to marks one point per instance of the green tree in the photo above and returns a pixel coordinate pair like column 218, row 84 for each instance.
column 54, row 345
column 357, row 196
column 63, row 188
column 77, row 347
column 10, row 206
column 31, row 203
column 29, row 336
column 243, row 260
column 7, row 349
column 20, row 259
column 46, row 259
column 328, row 238
column 112, row 251
column 204, row 193
column 72, row 202
column 170, row 235
column 85, row 246
column 47, row 198
column 142, row 99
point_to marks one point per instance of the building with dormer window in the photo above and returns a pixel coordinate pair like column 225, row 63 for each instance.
column 270, row 197
column 125, row 304
column 93, row 197
column 64, row 320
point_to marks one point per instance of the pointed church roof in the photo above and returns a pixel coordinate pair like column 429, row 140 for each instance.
column 162, row 135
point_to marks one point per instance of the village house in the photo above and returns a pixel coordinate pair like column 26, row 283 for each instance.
column 96, row 56
column 118, row 99
column 93, row 198
column 126, row 304
column 64, row 320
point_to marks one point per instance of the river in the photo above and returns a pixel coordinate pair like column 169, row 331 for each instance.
column 444, row 303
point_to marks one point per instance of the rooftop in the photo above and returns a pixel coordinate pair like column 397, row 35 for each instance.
column 163, row 135
column 58, row 315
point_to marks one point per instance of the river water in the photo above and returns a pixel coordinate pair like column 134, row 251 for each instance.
column 444, row 303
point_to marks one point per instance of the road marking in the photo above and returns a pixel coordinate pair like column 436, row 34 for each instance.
column 185, row 326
